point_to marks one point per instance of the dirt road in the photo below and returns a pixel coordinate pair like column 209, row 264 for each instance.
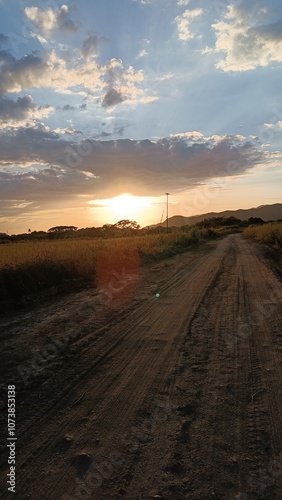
column 175, row 393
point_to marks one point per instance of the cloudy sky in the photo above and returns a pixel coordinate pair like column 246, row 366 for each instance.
column 106, row 105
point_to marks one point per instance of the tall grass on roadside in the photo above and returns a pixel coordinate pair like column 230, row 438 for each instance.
column 30, row 267
column 270, row 234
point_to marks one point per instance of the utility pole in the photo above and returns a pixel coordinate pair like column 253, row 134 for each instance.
column 167, row 194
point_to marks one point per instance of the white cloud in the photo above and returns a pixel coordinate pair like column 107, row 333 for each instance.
column 245, row 41
column 46, row 20
column 193, row 136
column 121, row 83
column 40, row 38
column 207, row 50
column 65, row 131
column 183, row 23
column 142, row 53
column 148, row 99
column 163, row 78
column 272, row 130
column 112, row 83
column 183, row 2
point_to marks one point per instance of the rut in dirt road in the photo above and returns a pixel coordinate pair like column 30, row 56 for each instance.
column 170, row 397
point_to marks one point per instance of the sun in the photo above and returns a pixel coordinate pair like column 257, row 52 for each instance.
column 142, row 209
column 126, row 206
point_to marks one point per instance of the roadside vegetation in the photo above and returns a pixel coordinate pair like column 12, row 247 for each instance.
column 270, row 234
column 28, row 267
column 65, row 258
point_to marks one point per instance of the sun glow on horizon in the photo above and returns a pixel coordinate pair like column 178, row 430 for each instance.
column 125, row 206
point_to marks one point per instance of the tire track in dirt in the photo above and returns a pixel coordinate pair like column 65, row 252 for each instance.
column 205, row 365
column 264, row 417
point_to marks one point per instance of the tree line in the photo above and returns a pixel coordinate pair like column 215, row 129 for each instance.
column 125, row 227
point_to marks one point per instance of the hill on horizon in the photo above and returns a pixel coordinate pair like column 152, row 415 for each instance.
column 264, row 212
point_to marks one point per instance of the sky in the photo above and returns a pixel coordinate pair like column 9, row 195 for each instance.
column 107, row 105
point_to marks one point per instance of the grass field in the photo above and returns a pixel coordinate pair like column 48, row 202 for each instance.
column 29, row 267
column 270, row 234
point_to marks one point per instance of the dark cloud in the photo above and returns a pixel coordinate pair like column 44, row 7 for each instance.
column 21, row 109
column 271, row 32
column 3, row 39
column 23, row 144
column 44, row 184
column 15, row 110
column 105, row 168
column 120, row 130
column 112, row 98
column 116, row 130
column 67, row 107
column 91, row 46
column 105, row 134
column 118, row 80
column 19, row 74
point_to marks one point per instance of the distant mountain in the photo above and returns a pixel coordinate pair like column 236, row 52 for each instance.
column 264, row 212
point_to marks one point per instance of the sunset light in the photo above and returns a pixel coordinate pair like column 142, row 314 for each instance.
column 124, row 206
column 105, row 106
column 141, row 249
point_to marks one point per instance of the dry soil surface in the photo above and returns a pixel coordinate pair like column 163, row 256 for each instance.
column 175, row 392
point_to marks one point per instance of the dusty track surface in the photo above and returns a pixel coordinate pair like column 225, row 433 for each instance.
column 176, row 396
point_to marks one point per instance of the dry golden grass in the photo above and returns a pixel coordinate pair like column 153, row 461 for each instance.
column 270, row 234
column 82, row 253
column 28, row 267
